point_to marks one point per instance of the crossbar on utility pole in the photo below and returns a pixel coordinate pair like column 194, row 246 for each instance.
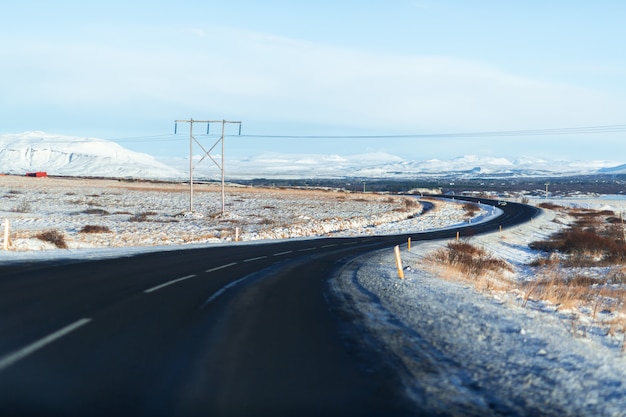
column 192, row 139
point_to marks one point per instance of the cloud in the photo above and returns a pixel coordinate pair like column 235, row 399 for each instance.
column 200, row 33
column 260, row 76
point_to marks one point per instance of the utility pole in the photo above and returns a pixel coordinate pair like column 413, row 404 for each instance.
column 220, row 165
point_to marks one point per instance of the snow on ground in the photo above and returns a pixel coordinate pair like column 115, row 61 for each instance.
column 469, row 352
column 156, row 215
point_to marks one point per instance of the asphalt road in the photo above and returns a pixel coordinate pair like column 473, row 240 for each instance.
column 223, row 331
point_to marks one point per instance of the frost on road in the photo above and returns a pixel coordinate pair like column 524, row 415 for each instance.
column 463, row 353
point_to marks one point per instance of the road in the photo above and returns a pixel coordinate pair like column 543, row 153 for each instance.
column 232, row 331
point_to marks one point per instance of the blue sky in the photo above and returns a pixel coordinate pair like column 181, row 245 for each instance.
column 125, row 70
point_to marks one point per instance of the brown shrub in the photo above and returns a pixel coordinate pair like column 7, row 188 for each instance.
column 550, row 206
column 546, row 261
column 545, row 245
column 53, row 236
column 470, row 209
column 100, row 212
column 95, row 229
column 469, row 259
column 587, row 246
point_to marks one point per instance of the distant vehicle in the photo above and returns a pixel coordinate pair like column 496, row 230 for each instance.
column 502, row 203
column 38, row 174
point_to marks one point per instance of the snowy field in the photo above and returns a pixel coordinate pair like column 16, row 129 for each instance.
column 92, row 215
column 480, row 352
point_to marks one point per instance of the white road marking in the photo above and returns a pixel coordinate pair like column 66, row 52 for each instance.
column 283, row 253
column 18, row 355
column 254, row 259
column 221, row 267
column 306, row 249
column 330, row 246
column 350, row 243
column 158, row 287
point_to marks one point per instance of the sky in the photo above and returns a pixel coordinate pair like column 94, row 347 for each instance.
column 331, row 77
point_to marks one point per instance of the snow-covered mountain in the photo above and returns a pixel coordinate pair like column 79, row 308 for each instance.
column 74, row 156
column 382, row 165
column 620, row 169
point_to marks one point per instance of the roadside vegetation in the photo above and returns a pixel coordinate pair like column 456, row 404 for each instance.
column 596, row 238
column 55, row 237
column 467, row 262
column 91, row 228
column 471, row 210
column 583, row 268
column 580, row 271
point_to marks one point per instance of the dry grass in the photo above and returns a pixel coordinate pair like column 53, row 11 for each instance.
column 94, row 229
column 595, row 244
column 553, row 285
column 55, row 237
column 405, row 204
column 471, row 263
column 100, row 212
column 550, row 206
column 582, row 272
column 595, row 239
column 470, row 209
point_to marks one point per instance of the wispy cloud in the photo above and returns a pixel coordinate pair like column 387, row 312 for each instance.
column 255, row 75
column 200, row 33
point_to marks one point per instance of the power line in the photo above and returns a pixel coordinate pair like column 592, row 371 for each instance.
column 527, row 132
column 153, row 138
column 524, row 132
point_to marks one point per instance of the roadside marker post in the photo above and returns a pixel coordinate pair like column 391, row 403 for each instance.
column 7, row 240
column 399, row 262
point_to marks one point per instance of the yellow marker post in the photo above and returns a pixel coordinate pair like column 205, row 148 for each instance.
column 399, row 262
column 409, row 245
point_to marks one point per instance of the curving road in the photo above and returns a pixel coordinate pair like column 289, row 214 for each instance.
column 233, row 331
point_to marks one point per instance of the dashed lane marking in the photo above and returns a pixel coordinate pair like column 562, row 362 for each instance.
column 306, row 249
column 330, row 246
column 283, row 253
column 20, row 354
column 217, row 268
column 254, row 259
column 158, row 287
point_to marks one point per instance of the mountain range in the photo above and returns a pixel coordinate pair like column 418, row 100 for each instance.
column 92, row 157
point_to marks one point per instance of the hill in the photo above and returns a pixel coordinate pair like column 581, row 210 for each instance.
column 74, row 156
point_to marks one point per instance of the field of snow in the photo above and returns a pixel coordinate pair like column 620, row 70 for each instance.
column 140, row 214
column 472, row 351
